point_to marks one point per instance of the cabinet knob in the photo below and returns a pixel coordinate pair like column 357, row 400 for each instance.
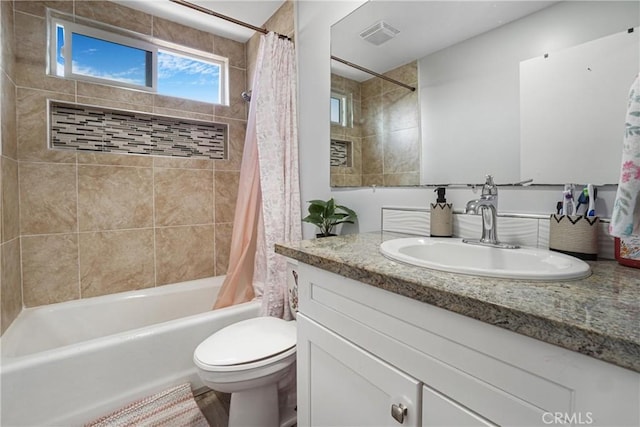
column 398, row 412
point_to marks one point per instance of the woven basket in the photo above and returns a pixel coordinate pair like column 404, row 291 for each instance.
column 574, row 235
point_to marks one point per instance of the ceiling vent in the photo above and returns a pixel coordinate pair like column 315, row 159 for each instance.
column 379, row 33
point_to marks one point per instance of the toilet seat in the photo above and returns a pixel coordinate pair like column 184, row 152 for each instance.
column 246, row 345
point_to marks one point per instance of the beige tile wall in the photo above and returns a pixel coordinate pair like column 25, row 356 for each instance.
column 386, row 131
column 393, row 133
column 10, row 280
column 351, row 176
column 94, row 223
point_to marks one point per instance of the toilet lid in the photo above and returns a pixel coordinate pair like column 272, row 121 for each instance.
column 247, row 341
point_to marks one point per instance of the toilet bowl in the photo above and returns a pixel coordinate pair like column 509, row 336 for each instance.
column 249, row 359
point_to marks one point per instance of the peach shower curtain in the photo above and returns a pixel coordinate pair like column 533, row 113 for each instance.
column 268, row 205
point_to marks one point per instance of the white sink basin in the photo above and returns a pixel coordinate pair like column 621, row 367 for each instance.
column 454, row 256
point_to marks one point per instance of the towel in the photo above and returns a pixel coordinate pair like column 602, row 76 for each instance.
column 625, row 219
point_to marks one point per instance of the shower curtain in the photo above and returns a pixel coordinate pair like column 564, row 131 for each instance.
column 268, row 205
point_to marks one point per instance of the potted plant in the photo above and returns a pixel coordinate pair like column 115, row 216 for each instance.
column 326, row 215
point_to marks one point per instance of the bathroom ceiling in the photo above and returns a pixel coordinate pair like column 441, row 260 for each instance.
column 425, row 27
column 254, row 12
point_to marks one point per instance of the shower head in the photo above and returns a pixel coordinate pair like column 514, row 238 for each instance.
column 246, row 96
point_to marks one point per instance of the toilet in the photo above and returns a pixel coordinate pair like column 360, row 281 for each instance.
column 248, row 359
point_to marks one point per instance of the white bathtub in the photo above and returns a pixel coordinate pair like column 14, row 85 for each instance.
column 66, row 364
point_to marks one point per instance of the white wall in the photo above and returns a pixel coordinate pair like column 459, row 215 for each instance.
column 470, row 92
column 313, row 23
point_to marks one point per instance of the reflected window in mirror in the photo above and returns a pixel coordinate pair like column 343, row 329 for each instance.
column 385, row 130
column 346, row 135
column 341, row 109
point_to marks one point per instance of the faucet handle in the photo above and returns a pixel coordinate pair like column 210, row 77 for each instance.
column 489, row 188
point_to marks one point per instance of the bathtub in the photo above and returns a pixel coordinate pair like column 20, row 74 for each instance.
column 69, row 363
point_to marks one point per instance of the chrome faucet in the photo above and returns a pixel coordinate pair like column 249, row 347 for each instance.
column 487, row 206
column 489, row 196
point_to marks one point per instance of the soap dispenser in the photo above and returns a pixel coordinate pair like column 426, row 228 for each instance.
column 441, row 224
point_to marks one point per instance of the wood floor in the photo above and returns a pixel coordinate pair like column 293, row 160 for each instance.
column 214, row 406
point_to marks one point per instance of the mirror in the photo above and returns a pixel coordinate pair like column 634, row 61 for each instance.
column 467, row 117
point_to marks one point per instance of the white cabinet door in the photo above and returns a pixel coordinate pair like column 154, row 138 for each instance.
column 440, row 411
column 475, row 373
column 341, row 385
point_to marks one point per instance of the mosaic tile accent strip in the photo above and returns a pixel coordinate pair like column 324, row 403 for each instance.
column 340, row 153
column 88, row 128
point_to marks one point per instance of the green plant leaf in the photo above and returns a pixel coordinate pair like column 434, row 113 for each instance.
column 330, row 207
column 317, row 208
column 327, row 214
column 314, row 218
column 347, row 210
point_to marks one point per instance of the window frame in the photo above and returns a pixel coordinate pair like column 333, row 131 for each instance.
column 345, row 109
column 127, row 39
column 202, row 56
column 340, row 108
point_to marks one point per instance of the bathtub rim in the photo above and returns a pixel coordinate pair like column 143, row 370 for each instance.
column 169, row 288
column 9, row 362
column 107, row 386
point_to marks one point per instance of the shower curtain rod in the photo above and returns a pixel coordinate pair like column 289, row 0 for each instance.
column 373, row 73
column 282, row 36
column 225, row 17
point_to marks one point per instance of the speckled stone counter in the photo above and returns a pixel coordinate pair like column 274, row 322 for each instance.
column 598, row 316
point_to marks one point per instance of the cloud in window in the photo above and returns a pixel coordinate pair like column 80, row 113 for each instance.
column 131, row 76
column 172, row 65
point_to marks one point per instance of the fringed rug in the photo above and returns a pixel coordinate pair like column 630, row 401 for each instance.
column 172, row 407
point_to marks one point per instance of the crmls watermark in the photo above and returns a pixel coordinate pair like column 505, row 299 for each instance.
column 575, row 418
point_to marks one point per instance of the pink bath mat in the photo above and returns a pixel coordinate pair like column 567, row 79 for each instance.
column 172, row 407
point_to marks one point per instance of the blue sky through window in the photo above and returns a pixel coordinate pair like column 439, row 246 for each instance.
column 188, row 78
column 178, row 75
column 111, row 61
column 59, row 56
column 335, row 110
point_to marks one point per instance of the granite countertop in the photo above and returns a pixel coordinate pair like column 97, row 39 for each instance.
column 598, row 316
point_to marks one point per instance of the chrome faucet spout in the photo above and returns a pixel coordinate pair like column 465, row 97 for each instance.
column 487, row 206
column 489, row 223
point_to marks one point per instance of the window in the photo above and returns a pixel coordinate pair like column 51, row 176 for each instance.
column 341, row 109
column 87, row 53
column 188, row 77
column 336, row 110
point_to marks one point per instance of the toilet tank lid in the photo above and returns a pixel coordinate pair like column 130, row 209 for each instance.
column 247, row 341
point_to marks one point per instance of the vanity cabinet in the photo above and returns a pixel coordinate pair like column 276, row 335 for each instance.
column 440, row 411
column 351, row 387
column 366, row 355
